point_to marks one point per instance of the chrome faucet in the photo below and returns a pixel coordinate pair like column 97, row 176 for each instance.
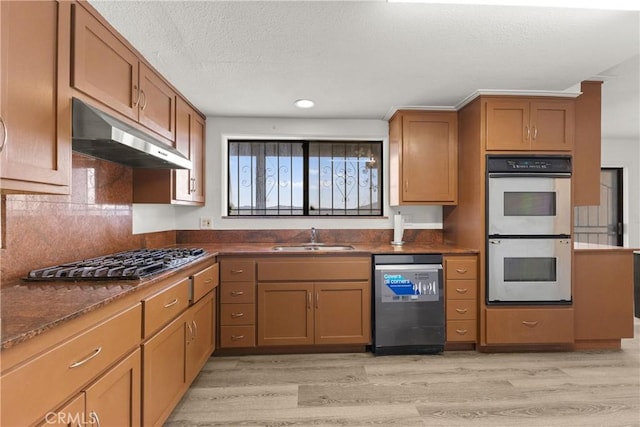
column 314, row 235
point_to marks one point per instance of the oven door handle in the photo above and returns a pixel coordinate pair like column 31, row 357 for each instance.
column 528, row 175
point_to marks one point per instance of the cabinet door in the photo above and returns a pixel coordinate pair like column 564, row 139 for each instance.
column 552, row 125
column 342, row 313
column 189, row 184
column 199, row 345
column 103, row 67
column 35, row 143
column 114, row 400
column 429, row 158
column 163, row 380
column 507, row 125
column 157, row 104
column 285, row 314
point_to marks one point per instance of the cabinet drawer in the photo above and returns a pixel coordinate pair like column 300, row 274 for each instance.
column 461, row 330
column 237, row 270
column 239, row 293
column 530, row 326
column 237, row 314
column 461, row 289
column 461, row 268
column 237, row 336
column 204, row 281
column 461, row 309
column 336, row 268
column 161, row 308
column 44, row 383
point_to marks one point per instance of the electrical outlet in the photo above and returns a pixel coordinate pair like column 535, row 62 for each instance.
column 206, row 223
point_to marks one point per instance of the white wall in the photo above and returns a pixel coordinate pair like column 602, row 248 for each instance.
column 150, row 218
column 620, row 153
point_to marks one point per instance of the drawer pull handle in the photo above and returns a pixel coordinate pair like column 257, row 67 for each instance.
column 530, row 323
column 209, row 280
column 236, row 315
column 237, row 271
column 461, row 270
column 461, row 310
column 86, row 359
column 195, row 328
column 462, row 290
column 237, row 293
column 461, row 331
column 169, row 304
column 237, row 337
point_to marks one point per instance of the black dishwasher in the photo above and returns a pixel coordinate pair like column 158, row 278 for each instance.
column 408, row 304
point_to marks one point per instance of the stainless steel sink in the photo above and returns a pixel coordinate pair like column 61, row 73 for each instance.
column 312, row 247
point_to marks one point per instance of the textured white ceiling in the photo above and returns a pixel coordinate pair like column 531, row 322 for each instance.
column 360, row 59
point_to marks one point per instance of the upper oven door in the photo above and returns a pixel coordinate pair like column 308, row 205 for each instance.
column 528, row 204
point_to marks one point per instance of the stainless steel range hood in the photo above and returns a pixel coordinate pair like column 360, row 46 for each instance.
column 97, row 134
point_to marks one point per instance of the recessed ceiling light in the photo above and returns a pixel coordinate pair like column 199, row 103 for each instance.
column 304, row 103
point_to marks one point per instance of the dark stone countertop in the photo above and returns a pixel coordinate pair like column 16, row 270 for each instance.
column 31, row 308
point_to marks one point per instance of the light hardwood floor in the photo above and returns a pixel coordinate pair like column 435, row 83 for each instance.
column 588, row 388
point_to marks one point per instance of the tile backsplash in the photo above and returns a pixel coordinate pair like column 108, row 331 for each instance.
column 95, row 219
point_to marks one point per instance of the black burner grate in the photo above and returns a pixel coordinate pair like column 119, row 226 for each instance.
column 122, row 265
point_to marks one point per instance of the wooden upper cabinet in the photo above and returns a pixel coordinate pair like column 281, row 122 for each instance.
column 35, row 121
column 107, row 70
column 587, row 150
column 190, row 128
column 423, row 158
column 157, row 106
column 529, row 124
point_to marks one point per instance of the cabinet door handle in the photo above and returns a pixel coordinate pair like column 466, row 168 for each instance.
column 5, row 136
column 461, row 331
column 309, row 300
column 462, row 290
column 190, row 337
column 137, row 101
column 461, row 270
column 236, row 293
column 195, row 329
column 530, row 323
column 535, row 132
column 236, row 315
column 193, row 185
column 144, row 100
column 406, row 185
column 317, row 299
column 86, row 359
column 94, row 419
column 461, row 310
column 528, row 132
column 237, row 337
column 169, row 304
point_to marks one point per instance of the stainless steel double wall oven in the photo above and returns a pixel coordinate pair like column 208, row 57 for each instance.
column 528, row 229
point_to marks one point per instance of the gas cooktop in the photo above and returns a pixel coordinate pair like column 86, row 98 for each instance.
column 131, row 265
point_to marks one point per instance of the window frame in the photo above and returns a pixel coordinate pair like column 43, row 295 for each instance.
column 227, row 140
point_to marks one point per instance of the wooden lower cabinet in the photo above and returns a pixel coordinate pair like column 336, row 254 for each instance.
column 603, row 295
column 461, row 298
column 314, row 313
column 200, row 342
column 530, row 326
column 173, row 358
column 163, row 380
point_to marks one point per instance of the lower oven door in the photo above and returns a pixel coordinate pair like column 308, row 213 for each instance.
column 529, row 270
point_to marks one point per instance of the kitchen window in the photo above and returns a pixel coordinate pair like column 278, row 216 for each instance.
column 304, row 178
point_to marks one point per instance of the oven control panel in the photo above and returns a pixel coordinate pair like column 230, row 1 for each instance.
column 546, row 164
